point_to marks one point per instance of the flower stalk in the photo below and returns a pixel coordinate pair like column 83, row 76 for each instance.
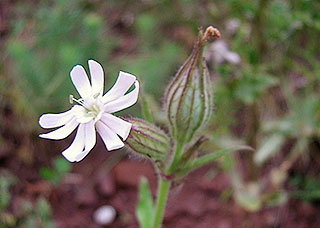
column 162, row 195
column 189, row 105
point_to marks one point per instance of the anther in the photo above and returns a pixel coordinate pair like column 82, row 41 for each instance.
column 96, row 95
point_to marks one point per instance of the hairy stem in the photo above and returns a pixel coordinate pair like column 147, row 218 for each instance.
column 162, row 195
column 164, row 186
column 175, row 158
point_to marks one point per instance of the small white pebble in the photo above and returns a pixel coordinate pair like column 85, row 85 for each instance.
column 104, row 215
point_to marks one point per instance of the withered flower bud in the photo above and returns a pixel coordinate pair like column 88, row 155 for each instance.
column 189, row 99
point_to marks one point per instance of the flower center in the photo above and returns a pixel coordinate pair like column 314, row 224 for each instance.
column 92, row 109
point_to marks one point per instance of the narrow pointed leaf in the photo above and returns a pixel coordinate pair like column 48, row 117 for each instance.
column 269, row 147
column 146, row 111
column 144, row 210
column 205, row 159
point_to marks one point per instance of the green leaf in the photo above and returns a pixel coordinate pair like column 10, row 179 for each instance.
column 251, row 85
column 269, row 147
column 42, row 208
column 146, row 110
column 277, row 198
column 203, row 160
column 6, row 180
column 305, row 188
column 248, row 201
column 49, row 175
column 144, row 210
column 61, row 165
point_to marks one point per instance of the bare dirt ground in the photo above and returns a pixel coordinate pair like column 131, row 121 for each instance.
column 196, row 203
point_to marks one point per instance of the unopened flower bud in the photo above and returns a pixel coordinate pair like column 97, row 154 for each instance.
column 189, row 100
column 148, row 141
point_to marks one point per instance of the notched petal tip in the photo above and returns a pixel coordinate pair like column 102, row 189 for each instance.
column 76, row 69
column 95, row 67
column 41, row 121
column 127, row 75
column 116, row 147
column 120, row 87
column 97, row 76
column 92, row 61
column 45, row 136
column 136, row 91
column 124, row 101
column 42, row 136
column 76, row 146
column 61, row 132
column 52, row 120
column 109, row 137
column 125, row 136
column 116, row 124
column 69, row 159
column 136, row 84
column 81, row 156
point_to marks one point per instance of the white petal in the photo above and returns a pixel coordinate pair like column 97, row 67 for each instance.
column 90, row 141
column 61, row 132
column 55, row 120
column 232, row 57
column 120, row 87
column 97, row 77
column 77, row 145
column 117, row 125
column 81, row 81
column 124, row 101
column 110, row 138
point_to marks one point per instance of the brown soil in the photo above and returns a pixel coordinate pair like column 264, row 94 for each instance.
column 198, row 202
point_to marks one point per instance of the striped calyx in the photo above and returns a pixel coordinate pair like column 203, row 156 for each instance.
column 189, row 99
column 148, row 141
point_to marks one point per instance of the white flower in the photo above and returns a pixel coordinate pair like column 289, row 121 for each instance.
column 218, row 52
column 93, row 112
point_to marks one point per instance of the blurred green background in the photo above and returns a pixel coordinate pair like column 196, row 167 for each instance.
column 265, row 73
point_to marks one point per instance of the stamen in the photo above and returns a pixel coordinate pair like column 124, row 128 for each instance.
column 96, row 95
column 91, row 109
column 71, row 99
column 78, row 101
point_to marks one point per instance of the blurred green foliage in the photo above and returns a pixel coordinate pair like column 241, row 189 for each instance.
column 26, row 214
column 46, row 44
column 36, row 215
column 305, row 188
column 6, row 180
column 277, row 41
column 59, row 167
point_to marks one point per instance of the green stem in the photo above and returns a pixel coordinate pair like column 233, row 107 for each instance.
column 163, row 190
column 175, row 159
